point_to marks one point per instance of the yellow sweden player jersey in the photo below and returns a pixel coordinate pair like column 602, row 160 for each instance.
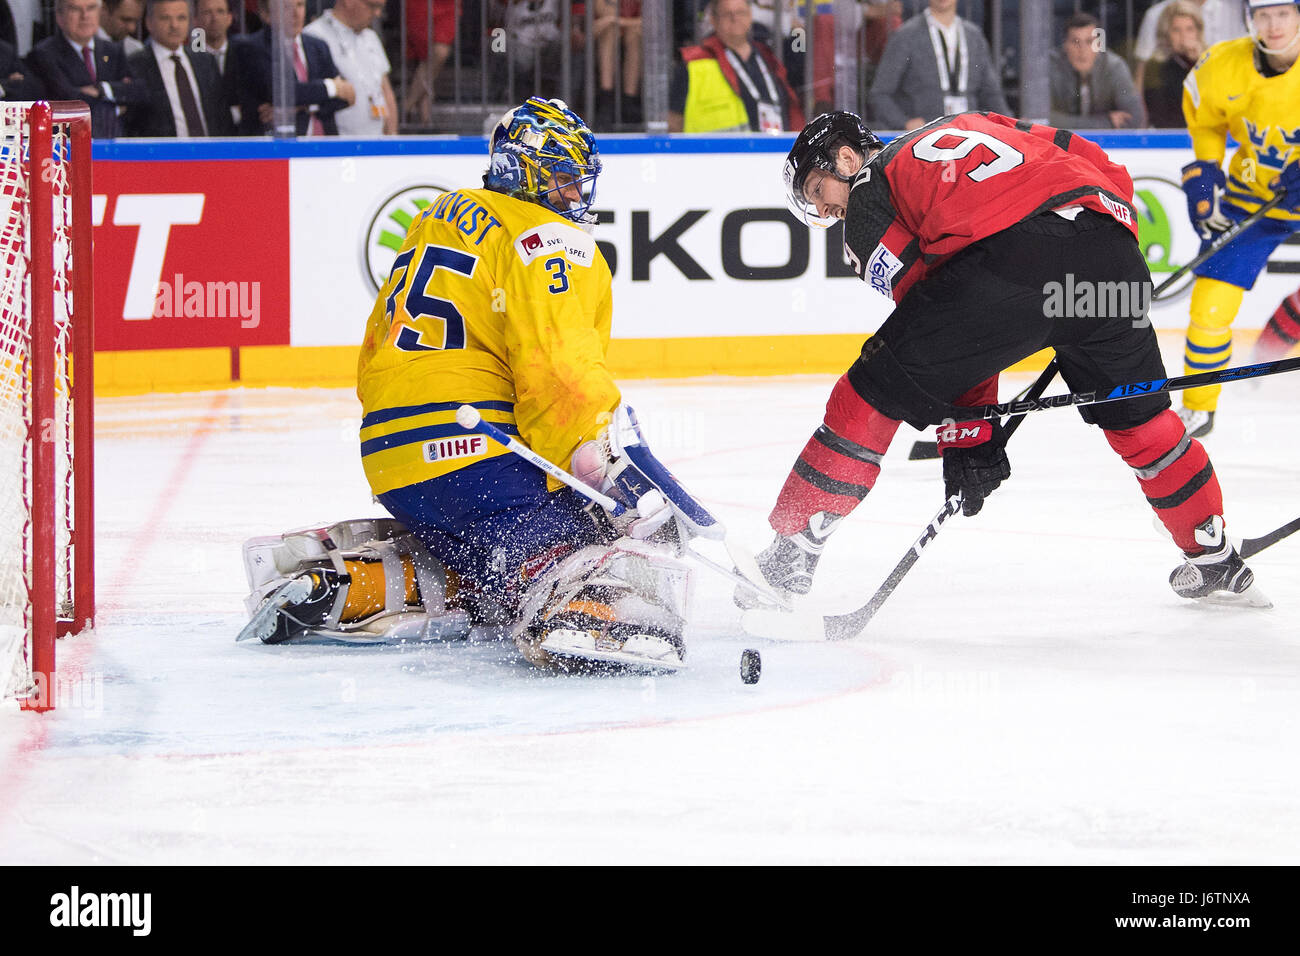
column 1225, row 93
column 492, row 301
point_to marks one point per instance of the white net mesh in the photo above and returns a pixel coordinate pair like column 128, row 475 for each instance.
column 16, row 431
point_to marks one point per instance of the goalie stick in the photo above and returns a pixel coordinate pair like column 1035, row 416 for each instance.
column 747, row 574
column 839, row 627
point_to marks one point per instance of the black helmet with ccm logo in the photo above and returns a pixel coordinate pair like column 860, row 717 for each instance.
column 815, row 148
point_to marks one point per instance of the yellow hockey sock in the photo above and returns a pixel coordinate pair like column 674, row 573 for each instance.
column 1209, row 337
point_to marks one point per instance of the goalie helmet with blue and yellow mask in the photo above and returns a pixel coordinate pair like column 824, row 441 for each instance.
column 543, row 152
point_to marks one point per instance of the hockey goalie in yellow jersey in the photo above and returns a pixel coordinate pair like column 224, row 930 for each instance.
column 1249, row 89
column 500, row 299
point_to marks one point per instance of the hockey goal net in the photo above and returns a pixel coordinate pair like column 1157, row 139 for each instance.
column 46, row 391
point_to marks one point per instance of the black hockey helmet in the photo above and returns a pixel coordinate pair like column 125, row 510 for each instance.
column 815, row 148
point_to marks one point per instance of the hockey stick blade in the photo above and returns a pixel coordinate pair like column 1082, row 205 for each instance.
column 799, row 626
column 1250, row 547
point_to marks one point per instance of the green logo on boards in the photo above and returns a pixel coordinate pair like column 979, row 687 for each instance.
column 388, row 228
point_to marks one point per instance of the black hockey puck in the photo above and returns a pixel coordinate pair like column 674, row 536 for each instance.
column 751, row 666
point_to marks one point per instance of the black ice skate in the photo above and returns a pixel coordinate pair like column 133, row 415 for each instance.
column 294, row 608
column 1217, row 575
column 788, row 564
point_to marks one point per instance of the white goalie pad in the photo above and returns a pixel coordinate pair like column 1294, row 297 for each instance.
column 272, row 561
column 643, row 590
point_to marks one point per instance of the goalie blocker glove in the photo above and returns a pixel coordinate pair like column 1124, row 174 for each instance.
column 621, row 465
column 974, row 461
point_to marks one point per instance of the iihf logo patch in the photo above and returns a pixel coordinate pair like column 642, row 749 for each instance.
column 1118, row 210
column 445, row 448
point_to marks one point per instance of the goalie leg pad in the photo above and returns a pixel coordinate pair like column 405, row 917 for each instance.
column 1175, row 474
column 364, row 574
column 622, row 604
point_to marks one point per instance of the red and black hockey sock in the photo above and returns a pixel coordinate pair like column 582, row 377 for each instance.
column 1282, row 332
column 838, row 466
column 1174, row 473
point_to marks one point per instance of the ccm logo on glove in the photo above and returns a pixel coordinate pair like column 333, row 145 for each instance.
column 964, row 435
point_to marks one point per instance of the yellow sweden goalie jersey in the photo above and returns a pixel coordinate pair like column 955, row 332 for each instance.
column 492, row 301
column 1226, row 94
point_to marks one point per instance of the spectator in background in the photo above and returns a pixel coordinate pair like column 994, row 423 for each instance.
column 1221, row 19
column 617, row 23
column 186, row 94
column 1181, row 33
column 17, row 82
column 214, row 18
column 319, row 92
column 359, row 54
column 120, row 22
column 76, row 64
column 428, row 58
column 1091, row 88
column 8, row 26
column 935, row 64
column 730, row 82
column 533, row 47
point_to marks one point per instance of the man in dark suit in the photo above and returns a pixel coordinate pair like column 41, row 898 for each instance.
column 186, row 93
column 319, row 91
column 74, row 64
column 17, row 82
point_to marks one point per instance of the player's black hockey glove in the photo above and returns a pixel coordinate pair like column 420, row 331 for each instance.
column 974, row 461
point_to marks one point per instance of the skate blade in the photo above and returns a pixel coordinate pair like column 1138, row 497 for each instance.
column 1251, row 597
column 262, row 624
column 581, row 655
column 785, row 626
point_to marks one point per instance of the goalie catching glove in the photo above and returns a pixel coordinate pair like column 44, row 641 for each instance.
column 974, row 461
column 620, row 464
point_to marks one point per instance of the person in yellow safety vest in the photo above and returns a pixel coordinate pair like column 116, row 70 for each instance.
column 731, row 82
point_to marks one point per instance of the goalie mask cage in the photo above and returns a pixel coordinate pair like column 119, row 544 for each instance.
column 46, row 391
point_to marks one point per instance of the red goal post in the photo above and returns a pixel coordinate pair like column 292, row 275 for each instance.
column 47, row 571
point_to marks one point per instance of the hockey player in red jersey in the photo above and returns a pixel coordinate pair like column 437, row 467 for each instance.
column 974, row 224
column 1282, row 332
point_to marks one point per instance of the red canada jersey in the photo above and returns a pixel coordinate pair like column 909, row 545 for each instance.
column 932, row 192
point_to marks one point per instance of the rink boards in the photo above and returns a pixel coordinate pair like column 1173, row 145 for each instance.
column 277, row 248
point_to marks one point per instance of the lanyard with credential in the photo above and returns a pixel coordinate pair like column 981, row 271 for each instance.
column 941, row 56
column 741, row 72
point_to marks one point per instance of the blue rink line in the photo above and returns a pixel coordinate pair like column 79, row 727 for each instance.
column 249, row 148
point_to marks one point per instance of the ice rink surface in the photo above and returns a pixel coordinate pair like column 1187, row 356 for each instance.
column 1033, row 693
